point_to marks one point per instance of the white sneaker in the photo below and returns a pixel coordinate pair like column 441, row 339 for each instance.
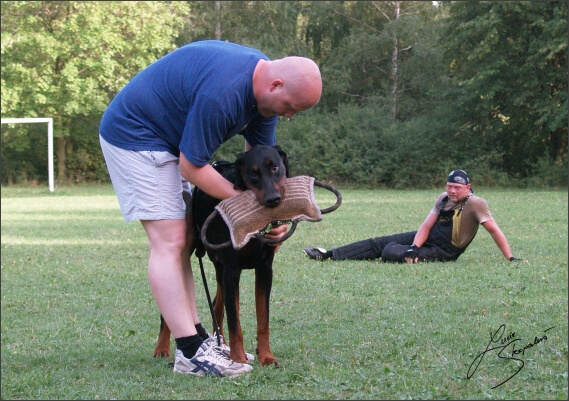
column 209, row 360
column 225, row 348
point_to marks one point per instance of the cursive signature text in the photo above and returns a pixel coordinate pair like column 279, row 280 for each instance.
column 507, row 346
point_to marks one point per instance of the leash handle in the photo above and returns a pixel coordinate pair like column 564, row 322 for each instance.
column 332, row 189
column 203, row 234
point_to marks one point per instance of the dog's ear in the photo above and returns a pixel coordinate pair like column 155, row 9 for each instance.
column 239, row 181
column 283, row 156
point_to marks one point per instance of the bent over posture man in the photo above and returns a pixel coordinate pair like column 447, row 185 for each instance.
column 158, row 135
column 444, row 235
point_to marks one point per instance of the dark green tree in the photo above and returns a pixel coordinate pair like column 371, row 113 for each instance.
column 382, row 72
column 67, row 59
column 271, row 26
column 508, row 62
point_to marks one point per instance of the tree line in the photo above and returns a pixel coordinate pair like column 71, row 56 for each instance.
column 411, row 90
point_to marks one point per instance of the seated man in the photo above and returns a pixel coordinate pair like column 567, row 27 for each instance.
column 444, row 235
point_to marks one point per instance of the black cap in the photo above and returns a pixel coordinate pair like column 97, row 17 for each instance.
column 458, row 177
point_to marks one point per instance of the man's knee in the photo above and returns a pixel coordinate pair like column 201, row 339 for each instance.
column 393, row 252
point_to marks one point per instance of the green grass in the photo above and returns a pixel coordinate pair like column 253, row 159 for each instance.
column 79, row 321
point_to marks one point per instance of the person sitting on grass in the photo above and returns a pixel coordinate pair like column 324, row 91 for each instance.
column 444, row 235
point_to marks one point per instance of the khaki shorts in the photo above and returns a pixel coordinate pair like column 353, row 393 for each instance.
column 148, row 184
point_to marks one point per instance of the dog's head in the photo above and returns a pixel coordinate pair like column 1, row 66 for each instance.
column 263, row 170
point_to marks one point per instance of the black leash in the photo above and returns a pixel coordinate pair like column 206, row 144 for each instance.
column 209, row 298
column 200, row 253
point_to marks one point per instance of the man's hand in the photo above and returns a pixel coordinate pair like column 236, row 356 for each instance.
column 277, row 232
column 410, row 254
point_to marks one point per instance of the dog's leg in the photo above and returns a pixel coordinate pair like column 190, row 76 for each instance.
column 219, row 305
column 263, row 284
column 163, row 345
column 231, row 293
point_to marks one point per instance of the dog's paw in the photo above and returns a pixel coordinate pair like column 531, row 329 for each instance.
column 269, row 360
column 161, row 353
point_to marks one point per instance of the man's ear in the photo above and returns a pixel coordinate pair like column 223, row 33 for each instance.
column 276, row 83
column 284, row 157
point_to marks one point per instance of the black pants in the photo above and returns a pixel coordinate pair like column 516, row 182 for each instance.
column 391, row 248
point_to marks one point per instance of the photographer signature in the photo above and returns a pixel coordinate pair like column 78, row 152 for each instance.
column 506, row 350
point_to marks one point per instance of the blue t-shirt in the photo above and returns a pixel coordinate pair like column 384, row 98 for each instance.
column 190, row 101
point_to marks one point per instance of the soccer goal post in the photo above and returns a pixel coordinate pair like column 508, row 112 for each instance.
column 49, row 122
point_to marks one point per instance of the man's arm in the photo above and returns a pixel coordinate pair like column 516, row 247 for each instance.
column 207, row 178
column 423, row 234
column 425, row 229
column 499, row 237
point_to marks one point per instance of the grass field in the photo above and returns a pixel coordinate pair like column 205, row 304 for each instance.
column 79, row 321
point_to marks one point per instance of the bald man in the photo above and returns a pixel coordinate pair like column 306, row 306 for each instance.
column 159, row 134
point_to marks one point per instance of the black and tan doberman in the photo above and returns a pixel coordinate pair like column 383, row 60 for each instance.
column 263, row 170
